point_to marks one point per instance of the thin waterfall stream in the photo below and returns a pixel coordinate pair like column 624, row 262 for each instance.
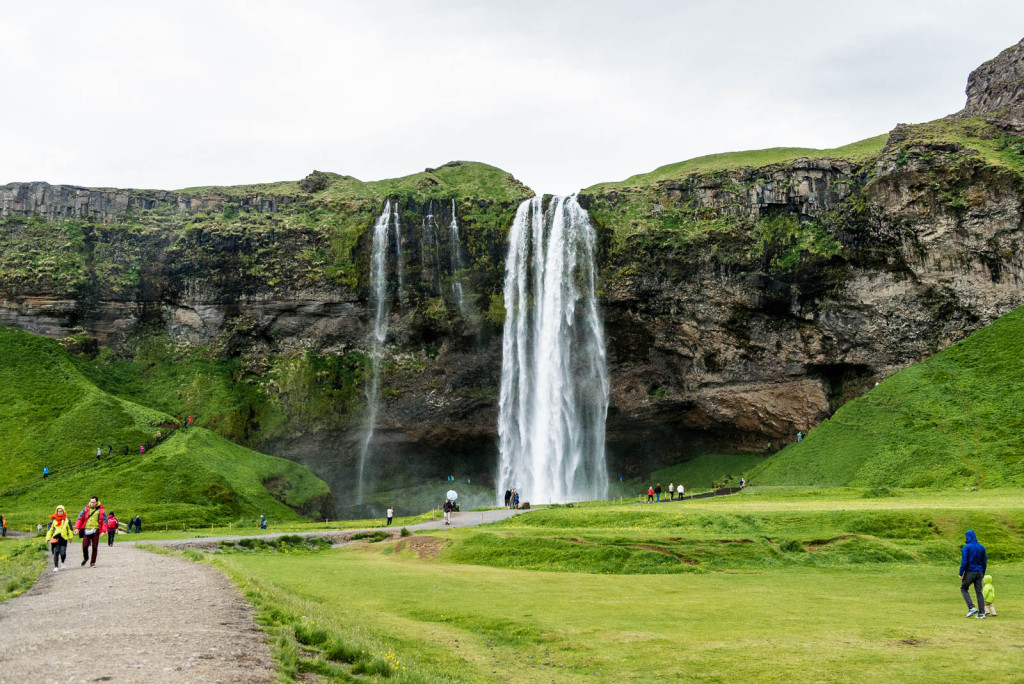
column 554, row 382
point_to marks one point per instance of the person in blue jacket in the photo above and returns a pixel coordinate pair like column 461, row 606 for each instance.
column 973, row 564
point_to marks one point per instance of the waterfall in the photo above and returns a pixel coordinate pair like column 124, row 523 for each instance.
column 554, row 383
column 380, row 305
column 458, row 265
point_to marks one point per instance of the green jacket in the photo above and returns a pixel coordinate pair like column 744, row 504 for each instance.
column 987, row 590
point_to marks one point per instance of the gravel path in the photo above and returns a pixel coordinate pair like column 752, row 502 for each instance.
column 141, row 617
column 135, row 617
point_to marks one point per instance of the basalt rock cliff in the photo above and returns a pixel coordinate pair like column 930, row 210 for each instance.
column 744, row 299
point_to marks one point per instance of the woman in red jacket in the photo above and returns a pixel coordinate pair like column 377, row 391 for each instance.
column 91, row 523
column 111, row 528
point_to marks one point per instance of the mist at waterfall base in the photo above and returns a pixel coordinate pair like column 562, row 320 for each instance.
column 554, row 383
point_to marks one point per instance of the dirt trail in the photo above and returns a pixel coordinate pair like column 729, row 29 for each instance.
column 135, row 617
column 141, row 617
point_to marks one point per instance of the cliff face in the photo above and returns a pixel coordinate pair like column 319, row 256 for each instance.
column 996, row 89
column 743, row 301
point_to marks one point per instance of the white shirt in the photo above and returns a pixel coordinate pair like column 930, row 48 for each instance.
column 391, row 512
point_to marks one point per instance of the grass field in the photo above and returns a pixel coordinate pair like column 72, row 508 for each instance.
column 953, row 420
column 21, row 560
column 829, row 586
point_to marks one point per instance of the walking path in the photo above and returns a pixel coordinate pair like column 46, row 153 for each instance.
column 142, row 617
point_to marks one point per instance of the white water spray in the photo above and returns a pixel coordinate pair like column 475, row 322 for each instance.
column 381, row 306
column 457, row 264
column 554, row 383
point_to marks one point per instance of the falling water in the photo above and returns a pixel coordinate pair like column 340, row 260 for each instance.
column 457, row 263
column 380, row 305
column 554, row 384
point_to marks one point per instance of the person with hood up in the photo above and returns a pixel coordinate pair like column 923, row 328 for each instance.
column 111, row 528
column 989, row 592
column 91, row 523
column 57, row 535
column 263, row 522
column 973, row 564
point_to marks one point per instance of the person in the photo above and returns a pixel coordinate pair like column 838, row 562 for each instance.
column 142, row 450
column 57, row 536
column 989, row 594
column 799, row 437
column 657, row 491
column 447, row 511
column 3, row 526
column 190, row 421
column 650, row 494
column 99, row 453
column 671, row 492
column 743, row 482
column 679, row 491
column 111, row 528
column 46, row 472
column 39, row 528
column 508, row 497
column 515, row 500
column 110, row 450
column 391, row 514
column 138, row 524
column 90, row 525
column 263, row 522
column 159, row 435
column 973, row 564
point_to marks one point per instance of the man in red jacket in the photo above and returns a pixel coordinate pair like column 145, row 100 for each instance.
column 91, row 523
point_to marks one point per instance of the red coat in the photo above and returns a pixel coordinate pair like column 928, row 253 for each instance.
column 84, row 515
column 111, row 524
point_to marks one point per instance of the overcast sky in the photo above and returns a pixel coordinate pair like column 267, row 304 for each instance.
column 561, row 94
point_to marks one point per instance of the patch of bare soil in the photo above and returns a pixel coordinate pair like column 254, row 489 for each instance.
column 425, row 547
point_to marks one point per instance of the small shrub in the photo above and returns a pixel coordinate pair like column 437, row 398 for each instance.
column 405, row 532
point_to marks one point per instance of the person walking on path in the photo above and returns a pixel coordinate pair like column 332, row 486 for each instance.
column 99, row 453
column 391, row 514
column 46, row 472
column 57, row 536
column 263, row 522
column 671, row 492
column 657, row 491
column 650, row 494
column 508, row 497
column 973, row 564
column 3, row 526
column 448, row 511
column 111, row 528
column 90, row 525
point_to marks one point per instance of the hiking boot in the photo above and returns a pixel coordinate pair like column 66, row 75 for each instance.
column 980, row 616
column 85, row 561
column 971, row 612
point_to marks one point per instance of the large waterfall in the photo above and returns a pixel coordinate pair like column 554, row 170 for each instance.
column 554, row 384
column 380, row 304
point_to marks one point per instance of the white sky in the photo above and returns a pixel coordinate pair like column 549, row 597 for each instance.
column 561, row 94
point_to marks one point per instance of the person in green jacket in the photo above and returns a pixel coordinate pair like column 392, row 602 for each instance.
column 57, row 536
column 988, row 592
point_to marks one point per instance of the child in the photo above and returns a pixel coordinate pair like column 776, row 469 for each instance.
column 57, row 536
column 988, row 592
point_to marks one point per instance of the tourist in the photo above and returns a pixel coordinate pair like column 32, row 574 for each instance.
column 263, row 522
column 515, row 500
column 391, row 514
column 989, row 593
column 657, row 491
column 190, row 421
column 447, row 511
column 39, row 528
column 99, row 453
column 799, row 437
column 508, row 498
column 973, row 564
column 46, row 472
column 142, row 450
column 111, row 528
column 90, row 524
column 679, row 491
column 671, row 492
column 57, row 536
column 650, row 494
column 110, row 450
column 3, row 526
column 743, row 482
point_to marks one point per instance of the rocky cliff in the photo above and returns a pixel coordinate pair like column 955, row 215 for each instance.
column 745, row 296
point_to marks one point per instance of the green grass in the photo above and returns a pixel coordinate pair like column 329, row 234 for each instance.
column 703, row 471
column 953, row 420
column 21, row 560
column 727, row 161
column 57, row 418
column 879, row 604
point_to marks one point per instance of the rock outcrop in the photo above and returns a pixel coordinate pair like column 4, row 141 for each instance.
column 996, row 90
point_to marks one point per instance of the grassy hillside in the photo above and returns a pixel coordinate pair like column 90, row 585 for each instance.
column 858, row 151
column 702, row 472
column 952, row 421
column 55, row 417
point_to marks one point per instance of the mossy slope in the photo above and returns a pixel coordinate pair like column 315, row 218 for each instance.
column 953, row 420
column 54, row 417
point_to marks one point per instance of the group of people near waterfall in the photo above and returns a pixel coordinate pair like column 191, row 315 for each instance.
column 654, row 492
column 92, row 523
column 511, row 499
